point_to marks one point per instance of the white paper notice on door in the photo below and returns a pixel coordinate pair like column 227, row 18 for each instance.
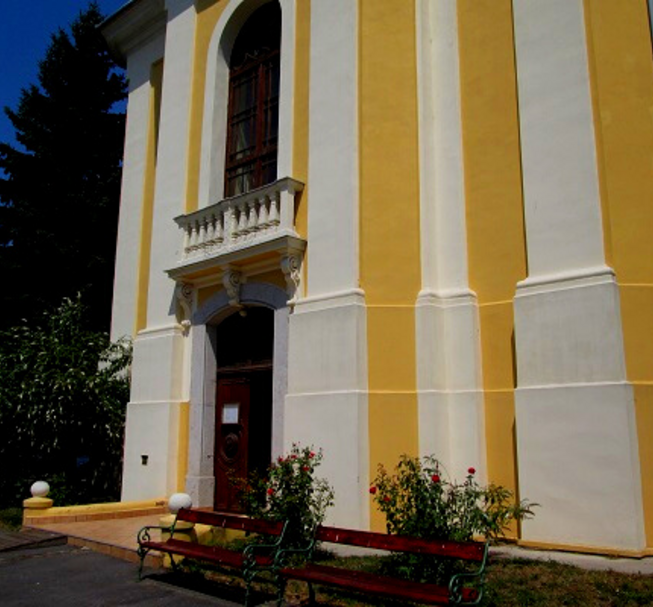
column 230, row 413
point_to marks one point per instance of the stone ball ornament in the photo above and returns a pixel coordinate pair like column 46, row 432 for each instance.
column 40, row 489
column 178, row 501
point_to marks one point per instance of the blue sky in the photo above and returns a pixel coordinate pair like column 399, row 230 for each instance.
column 25, row 28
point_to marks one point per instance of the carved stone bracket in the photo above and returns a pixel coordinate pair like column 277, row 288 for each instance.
column 184, row 297
column 291, row 266
column 232, row 279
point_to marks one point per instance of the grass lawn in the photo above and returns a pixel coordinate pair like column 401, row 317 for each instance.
column 521, row 583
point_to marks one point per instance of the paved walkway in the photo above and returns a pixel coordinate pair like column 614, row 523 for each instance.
column 642, row 566
column 70, row 576
column 113, row 537
column 28, row 538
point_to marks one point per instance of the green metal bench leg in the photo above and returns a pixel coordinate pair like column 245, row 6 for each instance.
column 281, row 592
column 175, row 565
column 142, row 553
column 311, row 594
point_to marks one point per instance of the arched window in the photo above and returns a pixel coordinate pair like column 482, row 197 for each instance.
column 253, row 111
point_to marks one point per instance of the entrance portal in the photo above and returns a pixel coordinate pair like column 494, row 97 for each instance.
column 243, row 437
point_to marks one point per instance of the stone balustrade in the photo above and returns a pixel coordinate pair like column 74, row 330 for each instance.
column 241, row 221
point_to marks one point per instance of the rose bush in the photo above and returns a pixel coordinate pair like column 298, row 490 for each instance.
column 290, row 491
column 417, row 500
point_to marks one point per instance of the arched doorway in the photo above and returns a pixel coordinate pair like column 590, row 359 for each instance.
column 243, row 414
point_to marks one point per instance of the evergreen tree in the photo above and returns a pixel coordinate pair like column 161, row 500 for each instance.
column 59, row 200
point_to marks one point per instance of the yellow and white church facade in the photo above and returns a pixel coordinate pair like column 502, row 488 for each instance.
column 393, row 226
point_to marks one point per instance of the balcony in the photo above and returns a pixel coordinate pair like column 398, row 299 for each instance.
column 244, row 230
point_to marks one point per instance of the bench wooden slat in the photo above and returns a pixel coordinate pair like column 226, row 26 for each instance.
column 375, row 584
column 214, row 554
column 469, row 551
column 227, row 521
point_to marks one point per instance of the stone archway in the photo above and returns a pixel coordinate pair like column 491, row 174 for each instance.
column 200, row 479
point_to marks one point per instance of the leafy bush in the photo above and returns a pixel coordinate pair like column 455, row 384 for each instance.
column 290, row 491
column 417, row 500
column 63, row 393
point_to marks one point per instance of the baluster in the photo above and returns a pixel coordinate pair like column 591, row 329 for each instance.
column 219, row 230
column 263, row 213
column 202, row 233
column 187, row 235
column 242, row 220
column 274, row 209
column 253, row 217
column 229, row 223
column 210, row 228
column 193, row 235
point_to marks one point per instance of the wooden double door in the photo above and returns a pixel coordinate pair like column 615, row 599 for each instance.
column 243, row 416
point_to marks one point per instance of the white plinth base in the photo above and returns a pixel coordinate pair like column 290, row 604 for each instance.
column 451, row 413
column 578, row 458
column 153, row 432
column 338, row 424
column 575, row 414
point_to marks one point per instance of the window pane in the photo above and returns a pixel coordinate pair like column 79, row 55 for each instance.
column 240, row 180
column 269, row 169
column 271, row 125
column 243, row 139
column 253, row 113
column 244, row 93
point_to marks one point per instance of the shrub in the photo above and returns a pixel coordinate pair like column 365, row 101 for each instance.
column 419, row 501
column 290, row 491
column 63, row 394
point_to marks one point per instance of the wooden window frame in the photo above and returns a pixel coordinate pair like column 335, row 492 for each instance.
column 260, row 68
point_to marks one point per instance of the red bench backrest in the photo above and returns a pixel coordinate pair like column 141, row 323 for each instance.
column 470, row 551
column 229, row 521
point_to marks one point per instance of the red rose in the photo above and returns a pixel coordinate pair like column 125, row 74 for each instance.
column 471, row 470
column 270, row 491
column 280, row 459
column 293, row 456
column 311, row 454
column 435, row 478
column 305, row 468
column 386, row 498
column 372, row 490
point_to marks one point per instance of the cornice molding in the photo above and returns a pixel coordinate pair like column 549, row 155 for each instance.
column 132, row 26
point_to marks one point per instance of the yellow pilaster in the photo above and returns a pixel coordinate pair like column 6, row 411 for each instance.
column 621, row 78
column 156, row 88
column 389, row 195
column 494, row 206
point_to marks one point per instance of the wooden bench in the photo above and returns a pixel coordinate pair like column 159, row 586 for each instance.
column 463, row 588
column 250, row 561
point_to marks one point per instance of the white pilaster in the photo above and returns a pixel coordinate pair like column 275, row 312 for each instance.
column 171, row 172
column 451, row 420
column 139, row 64
column 153, row 415
column 159, row 351
column 326, row 403
column 576, row 435
column 333, row 213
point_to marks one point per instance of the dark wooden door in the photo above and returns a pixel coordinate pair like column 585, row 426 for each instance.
column 231, row 440
column 243, row 415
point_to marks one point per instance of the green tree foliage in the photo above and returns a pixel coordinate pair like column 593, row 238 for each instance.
column 59, row 199
column 63, row 393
